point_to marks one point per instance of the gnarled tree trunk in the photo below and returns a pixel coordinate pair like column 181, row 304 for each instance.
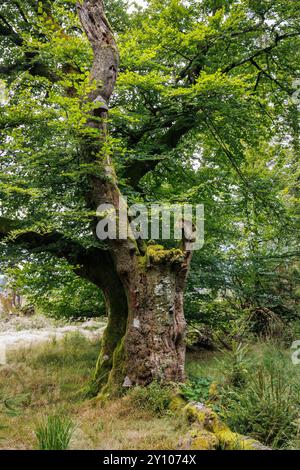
column 144, row 339
column 154, row 339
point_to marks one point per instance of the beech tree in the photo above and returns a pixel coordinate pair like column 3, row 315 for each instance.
column 99, row 106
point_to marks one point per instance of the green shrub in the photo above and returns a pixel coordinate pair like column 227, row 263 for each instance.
column 154, row 398
column 54, row 433
column 265, row 408
column 197, row 389
column 257, row 391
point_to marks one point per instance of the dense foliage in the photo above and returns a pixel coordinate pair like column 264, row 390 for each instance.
column 202, row 113
column 53, row 289
column 255, row 389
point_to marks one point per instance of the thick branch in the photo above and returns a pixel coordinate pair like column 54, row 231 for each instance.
column 6, row 30
column 53, row 242
column 31, row 64
column 30, row 61
column 92, row 263
column 136, row 169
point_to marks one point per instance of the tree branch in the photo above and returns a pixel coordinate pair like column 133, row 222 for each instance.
column 20, row 9
column 106, row 55
column 6, row 30
column 90, row 263
column 52, row 242
column 136, row 169
column 269, row 76
column 35, row 68
column 260, row 52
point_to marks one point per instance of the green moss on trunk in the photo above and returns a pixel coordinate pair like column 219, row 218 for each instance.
column 114, row 385
column 116, row 305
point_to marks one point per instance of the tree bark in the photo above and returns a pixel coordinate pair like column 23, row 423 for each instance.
column 145, row 336
column 154, row 341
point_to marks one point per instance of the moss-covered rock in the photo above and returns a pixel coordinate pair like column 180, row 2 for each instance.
column 200, row 439
column 208, row 432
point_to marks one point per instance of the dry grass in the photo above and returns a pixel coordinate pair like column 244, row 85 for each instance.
column 43, row 381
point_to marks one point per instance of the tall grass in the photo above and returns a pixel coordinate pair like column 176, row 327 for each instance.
column 258, row 392
column 54, row 433
column 265, row 408
column 155, row 398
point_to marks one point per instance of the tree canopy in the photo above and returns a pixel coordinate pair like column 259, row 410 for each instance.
column 202, row 113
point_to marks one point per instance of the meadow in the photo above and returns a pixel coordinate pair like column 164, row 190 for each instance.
column 254, row 388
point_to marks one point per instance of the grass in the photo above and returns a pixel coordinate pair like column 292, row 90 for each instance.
column 256, row 391
column 154, row 398
column 54, row 433
column 43, row 382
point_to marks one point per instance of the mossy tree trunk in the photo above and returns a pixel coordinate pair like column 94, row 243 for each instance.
column 144, row 339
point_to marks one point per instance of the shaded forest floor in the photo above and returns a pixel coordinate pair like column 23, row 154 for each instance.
column 254, row 389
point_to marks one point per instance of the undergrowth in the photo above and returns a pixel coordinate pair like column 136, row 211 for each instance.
column 254, row 389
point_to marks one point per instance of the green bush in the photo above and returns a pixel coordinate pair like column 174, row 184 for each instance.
column 154, row 398
column 54, row 433
column 266, row 405
column 197, row 389
column 266, row 408
column 257, row 391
